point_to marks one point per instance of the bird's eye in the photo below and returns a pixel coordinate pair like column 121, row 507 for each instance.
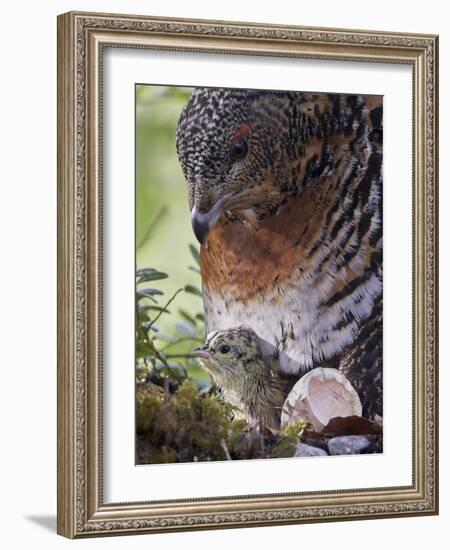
column 239, row 149
column 224, row 349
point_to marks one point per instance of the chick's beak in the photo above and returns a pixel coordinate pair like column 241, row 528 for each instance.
column 201, row 353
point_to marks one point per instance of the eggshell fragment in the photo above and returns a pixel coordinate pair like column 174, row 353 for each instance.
column 320, row 395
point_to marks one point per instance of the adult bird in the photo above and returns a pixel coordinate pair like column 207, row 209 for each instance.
column 285, row 193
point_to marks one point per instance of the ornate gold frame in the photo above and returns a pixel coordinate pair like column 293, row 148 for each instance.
column 81, row 38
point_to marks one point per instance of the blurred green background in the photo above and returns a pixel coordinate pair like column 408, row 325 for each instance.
column 164, row 237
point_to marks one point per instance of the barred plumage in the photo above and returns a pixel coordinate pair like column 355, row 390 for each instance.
column 294, row 227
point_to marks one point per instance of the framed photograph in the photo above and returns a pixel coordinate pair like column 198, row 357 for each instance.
column 247, row 276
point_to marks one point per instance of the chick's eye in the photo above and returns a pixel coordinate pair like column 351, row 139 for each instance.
column 224, row 349
column 239, row 149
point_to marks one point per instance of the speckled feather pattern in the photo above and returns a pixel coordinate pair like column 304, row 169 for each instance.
column 245, row 376
column 299, row 256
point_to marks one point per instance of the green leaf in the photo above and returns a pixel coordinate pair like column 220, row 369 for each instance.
column 144, row 350
column 193, row 290
column 142, row 317
column 187, row 329
column 154, row 276
column 187, row 317
column 194, row 269
column 143, row 308
column 175, row 366
column 195, row 253
column 165, row 337
column 144, row 271
column 149, row 293
column 149, row 325
column 200, row 317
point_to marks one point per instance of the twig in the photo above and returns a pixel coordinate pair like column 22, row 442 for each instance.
column 163, row 359
column 152, row 226
column 166, row 388
column 165, row 307
column 183, row 339
column 225, row 449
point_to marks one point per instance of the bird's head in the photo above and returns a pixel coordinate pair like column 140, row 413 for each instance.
column 230, row 146
column 230, row 352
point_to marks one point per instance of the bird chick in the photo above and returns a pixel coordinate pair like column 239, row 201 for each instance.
column 235, row 360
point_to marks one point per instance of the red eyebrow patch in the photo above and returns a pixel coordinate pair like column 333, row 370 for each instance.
column 243, row 131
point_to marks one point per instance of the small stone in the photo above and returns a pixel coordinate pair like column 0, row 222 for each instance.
column 348, row 445
column 308, row 450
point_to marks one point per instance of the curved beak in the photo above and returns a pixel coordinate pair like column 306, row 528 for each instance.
column 203, row 222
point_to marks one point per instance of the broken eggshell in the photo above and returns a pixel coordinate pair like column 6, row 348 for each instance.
column 320, row 395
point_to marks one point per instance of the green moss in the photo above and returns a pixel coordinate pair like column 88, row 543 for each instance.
column 284, row 448
column 183, row 426
column 188, row 426
column 289, row 437
column 295, row 429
